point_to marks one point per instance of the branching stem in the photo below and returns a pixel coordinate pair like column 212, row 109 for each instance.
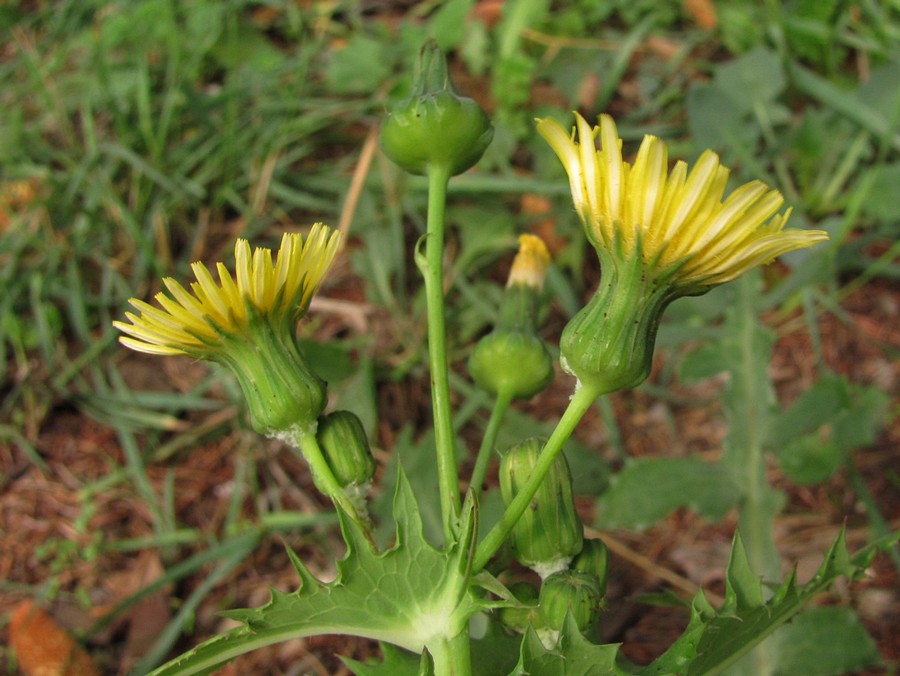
column 578, row 406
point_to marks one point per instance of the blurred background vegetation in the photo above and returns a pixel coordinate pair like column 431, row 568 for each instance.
column 137, row 136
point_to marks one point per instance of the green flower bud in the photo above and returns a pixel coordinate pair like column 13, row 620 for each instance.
column 549, row 532
column 343, row 442
column 435, row 127
column 570, row 591
column 519, row 618
column 512, row 360
column 593, row 560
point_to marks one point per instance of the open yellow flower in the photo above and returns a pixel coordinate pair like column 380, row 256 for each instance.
column 659, row 235
column 247, row 322
column 195, row 323
column 679, row 219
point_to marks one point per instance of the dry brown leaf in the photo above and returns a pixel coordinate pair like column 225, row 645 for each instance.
column 703, row 11
column 43, row 648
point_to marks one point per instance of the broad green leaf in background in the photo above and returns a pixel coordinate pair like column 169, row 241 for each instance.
column 825, row 641
column 359, row 68
column 753, row 79
column 816, row 434
column 882, row 203
column 725, row 114
column 449, row 24
column 717, row 122
column 647, row 489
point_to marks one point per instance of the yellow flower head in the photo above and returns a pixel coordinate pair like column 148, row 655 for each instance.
column 679, row 219
column 195, row 322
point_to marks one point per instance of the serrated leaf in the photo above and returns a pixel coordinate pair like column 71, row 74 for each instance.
column 409, row 595
column 649, row 488
column 716, row 640
column 743, row 589
column 684, row 651
column 573, row 656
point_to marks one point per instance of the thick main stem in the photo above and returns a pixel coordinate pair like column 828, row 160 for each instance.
column 452, row 657
column 578, row 406
column 756, row 513
column 746, row 456
column 433, row 271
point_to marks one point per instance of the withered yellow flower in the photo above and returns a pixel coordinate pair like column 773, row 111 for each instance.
column 679, row 219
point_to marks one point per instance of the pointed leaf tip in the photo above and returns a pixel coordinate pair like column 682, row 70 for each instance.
column 743, row 589
column 308, row 581
column 406, row 514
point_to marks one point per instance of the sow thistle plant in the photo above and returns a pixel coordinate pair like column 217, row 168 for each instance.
column 659, row 235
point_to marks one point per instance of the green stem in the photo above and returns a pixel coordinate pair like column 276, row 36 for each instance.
column 305, row 441
column 746, row 453
column 759, row 504
column 483, row 459
column 579, row 404
column 452, row 657
column 433, row 270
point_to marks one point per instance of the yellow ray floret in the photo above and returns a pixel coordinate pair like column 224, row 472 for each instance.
column 530, row 265
column 678, row 218
column 193, row 322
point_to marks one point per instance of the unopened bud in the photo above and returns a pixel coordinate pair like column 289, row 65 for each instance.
column 343, row 442
column 512, row 360
column 519, row 618
column 435, row 127
column 593, row 560
column 573, row 592
column 549, row 532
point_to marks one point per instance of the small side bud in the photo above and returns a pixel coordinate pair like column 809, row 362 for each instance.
column 593, row 560
column 573, row 592
column 343, row 442
column 549, row 533
column 519, row 618
column 435, row 127
column 512, row 360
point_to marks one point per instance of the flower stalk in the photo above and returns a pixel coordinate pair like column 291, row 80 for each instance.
column 432, row 269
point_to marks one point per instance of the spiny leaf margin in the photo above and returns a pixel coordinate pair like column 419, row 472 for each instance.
column 394, row 596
